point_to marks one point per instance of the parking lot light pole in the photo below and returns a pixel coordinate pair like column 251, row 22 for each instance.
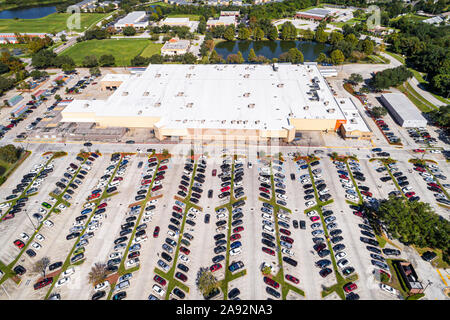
column 35, row 228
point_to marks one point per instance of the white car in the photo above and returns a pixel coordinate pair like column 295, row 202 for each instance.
column 132, row 262
column 342, row 263
column 435, row 151
column 281, row 196
column 340, row 255
column 42, row 211
column 388, row 289
column 154, row 201
column 267, row 216
column 24, row 236
column 101, row 286
column 62, row 281
column 306, row 180
column 61, row 206
column 312, row 213
column 160, row 291
column 5, row 205
column 283, row 217
column 235, row 251
column 68, row 272
column 220, row 216
column 147, row 219
column 115, row 255
column 324, row 191
column 40, row 237
column 88, row 205
column 172, row 234
column 52, row 200
column 139, row 239
column 287, row 251
column 92, row 228
column 351, row 197
column 48, row 223
column 310, row 203
column 184, row 258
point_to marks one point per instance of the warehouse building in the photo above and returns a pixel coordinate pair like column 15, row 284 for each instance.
column 233, row 102
column 313, row 14
column 175, row 47
column 135, row 19
column 403, row 110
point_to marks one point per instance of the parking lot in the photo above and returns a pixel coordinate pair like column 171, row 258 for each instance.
column 130, row 201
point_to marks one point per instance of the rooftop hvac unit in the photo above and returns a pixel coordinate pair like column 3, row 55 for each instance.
column 157, row 75
column 158, row 104
column 281, row 85
column 146, row 93
column 125, row 93
column 245, row 121
column 247, row 75
column 326, row 103
column 290, row 114
column 86, row 105
column 223, row 121
column 353, row 120
column 247, row 94
column 185, row 120
column 275, row 67
column 180, row 94
column 257, row 122
column 233, row 121
column 331, row 110
column 139, row 112
column 191, row 67
column 189, row 105
column 251, row 105
column 306, row 108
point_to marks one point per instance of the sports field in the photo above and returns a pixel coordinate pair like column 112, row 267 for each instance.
column 52, row 23
column 122, row 49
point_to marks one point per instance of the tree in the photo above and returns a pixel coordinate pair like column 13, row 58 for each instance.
column 98, row 273
column 107, row 60
column 337, row 57
column 295, row 55
column 288, row 31
column 258, row 34
column 243, row 33
column 240, row 57
column 189, row 58
column 272, row 33
column 41, row 265
column 90, row 61
column 43, row 59
column 335, row 37
column 356, row 78
column 63, row 38
column 95, row 71
column 67, row 68
column 441, row 83
column 229, row 33
column 58, row 97
column 320, row 35
column 367, row 46
column 322, row 57
column 215, row 57
column 378, row 112
column 10, row 153
column 206, row 281
column 129, row 31
column 252, row 55
column 441, row 116
column 156, row 59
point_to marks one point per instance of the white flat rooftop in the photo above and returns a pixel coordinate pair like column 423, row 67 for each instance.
column 220, row 96
column 132, row 18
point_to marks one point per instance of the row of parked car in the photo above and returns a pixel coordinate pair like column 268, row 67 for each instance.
column 273, row 219
column 430, row 174
column 29, row 185
column 176, row 220
column 392, row 138
column 421, row 136
column 228, row 173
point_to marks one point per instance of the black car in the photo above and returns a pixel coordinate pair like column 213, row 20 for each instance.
column 55, row 265
column 428, row 256
column 207, row 218
column 218, row 258
column 120, row 295
column 219, row 236
column 290, row 261
column 324, row 252
column 19, row 270
column 295, row 224
column 180, row 294
column 98, row 295
column 373, row 249
column 268, row 243
column 302, row 224
column 182, row 267
column 210, row 193
column 268, row 236
column 352, row 296
column 273, row 292
column 30, row 253
column 233, row 293
column 212, row 294
column 219, row 249
column 72, row 235
column 166, row 256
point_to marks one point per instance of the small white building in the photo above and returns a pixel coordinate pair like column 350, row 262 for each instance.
column 176, row 22
column 175, row 47
column 222, row 21
column 136, row 19
column 403, row 110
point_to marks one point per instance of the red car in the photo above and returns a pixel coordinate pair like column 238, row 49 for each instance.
column 43, row 283
column 152, row 160
column 214, row 172
column 162, row 168
column 420, row 169
column 215, row 267
column 147, row 181
column 10, row 126
column 156, row 232
column 284, row 231
column 182, row 187
column 160, row 280
column 343, row 176
column 432, row 184
column 269, row 251
column 409, row 194
column 186, row 251
column 104, row 204
column 358, row 213
column 235, row 237
column 177, row 209
column 156, row 188
column 419, row 150
column 287, row 239
column 366, row 193
column 349, row 287
column 159, row 178
column 93, row 196
column 238, row 229
column 314, row 218
column 19, row 244
column 292, row 278
column 118, row 179
column 134, row 254
column 271, row 282
column 264, row 189
column 225, row 189
column 8, row 216
column 181, row 276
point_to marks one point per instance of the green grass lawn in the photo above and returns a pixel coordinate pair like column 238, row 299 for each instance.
column 52, row 23
column 192, row 17
column 151, row 49
column 122, row 49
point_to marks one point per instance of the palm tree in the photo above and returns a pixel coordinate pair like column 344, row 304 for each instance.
column 97, row 273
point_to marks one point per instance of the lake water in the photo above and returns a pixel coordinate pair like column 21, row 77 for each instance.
column 29, row 13
column 272, row 49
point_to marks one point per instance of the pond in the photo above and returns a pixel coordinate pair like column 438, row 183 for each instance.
column 272, row 49
column 29, row 13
